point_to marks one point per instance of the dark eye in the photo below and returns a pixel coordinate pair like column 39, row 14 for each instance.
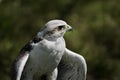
column 61, row 27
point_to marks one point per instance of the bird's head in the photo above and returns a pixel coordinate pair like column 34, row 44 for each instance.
column 54, row 29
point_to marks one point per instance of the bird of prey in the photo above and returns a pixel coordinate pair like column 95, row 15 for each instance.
column 46, row 57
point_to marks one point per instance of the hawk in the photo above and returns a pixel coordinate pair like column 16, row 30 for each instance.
column 46, row 57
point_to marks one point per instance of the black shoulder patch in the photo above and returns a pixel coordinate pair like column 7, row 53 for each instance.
column 36, row 39
column 28, row 47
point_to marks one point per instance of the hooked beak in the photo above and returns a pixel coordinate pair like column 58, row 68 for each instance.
column 69, row 28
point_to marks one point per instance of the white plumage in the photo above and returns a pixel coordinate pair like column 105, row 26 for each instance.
column 47, row 58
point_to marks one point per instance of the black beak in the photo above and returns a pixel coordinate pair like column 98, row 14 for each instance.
column 69, row 28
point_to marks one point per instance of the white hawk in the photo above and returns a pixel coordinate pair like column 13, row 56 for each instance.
column 46, row 57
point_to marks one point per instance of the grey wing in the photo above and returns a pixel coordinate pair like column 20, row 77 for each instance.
column 18, row 66
column 72, row 67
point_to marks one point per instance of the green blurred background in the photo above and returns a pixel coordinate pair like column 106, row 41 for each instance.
column 96, row 33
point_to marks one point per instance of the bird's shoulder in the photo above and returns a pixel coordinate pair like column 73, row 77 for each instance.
column 28, row 47
column 23, row 55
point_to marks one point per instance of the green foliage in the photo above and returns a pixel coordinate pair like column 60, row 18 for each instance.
column 96, row 33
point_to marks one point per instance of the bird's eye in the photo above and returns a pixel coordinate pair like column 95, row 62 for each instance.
column 61, row 27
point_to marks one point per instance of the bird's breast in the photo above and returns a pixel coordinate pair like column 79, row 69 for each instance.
column 45, row 58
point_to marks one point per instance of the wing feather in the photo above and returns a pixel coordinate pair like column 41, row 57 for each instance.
column 19, row 65
column 21, row 60
column 72, row 67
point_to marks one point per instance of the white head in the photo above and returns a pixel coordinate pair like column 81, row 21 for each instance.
column 54, row 29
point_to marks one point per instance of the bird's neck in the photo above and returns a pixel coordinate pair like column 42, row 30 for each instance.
column 53, row 39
